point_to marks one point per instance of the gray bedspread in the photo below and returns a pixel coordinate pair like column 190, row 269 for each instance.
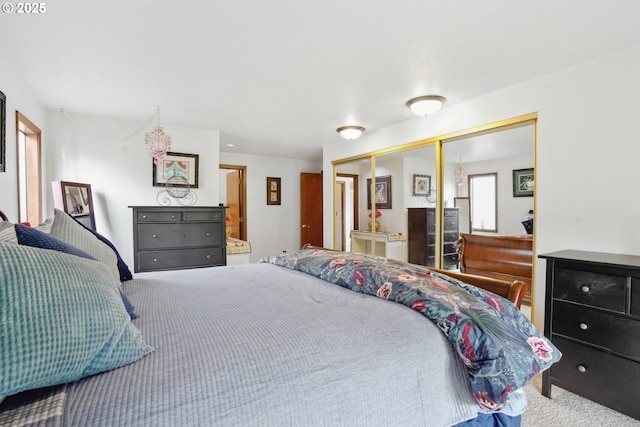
column 261, row 345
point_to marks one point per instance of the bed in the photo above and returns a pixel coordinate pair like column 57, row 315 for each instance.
column 500, row 257
column 315, row 338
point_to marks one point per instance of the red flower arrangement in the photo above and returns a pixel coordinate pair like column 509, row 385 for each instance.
column 378, row 214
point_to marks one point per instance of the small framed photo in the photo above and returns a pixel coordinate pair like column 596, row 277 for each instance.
column 176, row 164
column 421, row 185
column 523, row 182
column 383, row 192
column 273, row 191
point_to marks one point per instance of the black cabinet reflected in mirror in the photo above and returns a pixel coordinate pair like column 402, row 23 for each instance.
column 75, row 199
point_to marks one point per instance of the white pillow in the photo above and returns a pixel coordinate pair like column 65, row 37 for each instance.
column 66, row 228
column 7, row 232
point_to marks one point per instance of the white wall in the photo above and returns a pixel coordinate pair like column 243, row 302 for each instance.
column 272, row 228
column 120, row 173
column 20, row 98
column 587, row 153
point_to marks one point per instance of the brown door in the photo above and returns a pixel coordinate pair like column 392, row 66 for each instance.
column 311, row 209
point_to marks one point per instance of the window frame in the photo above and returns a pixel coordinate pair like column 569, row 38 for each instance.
column 470, row 179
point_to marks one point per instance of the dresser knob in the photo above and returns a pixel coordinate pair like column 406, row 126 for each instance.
column 173, row 217
column 155, row 236
column 207, row 234
column 155, row 260
column 584, row 326
column 208, row 256
column 189, row 216
column 582, row 368
column 144, row 217
column 585, row 288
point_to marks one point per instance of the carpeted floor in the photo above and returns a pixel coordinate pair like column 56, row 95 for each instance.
column 566, row 409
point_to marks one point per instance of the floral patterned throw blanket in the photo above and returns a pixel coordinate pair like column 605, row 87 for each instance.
column 500, row 347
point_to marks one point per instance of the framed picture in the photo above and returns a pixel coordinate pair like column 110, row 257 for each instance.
column 523, row 182
column 421, row 185
column 273, row 191
column 176, row 164
column 383, row 192
column 3, row 125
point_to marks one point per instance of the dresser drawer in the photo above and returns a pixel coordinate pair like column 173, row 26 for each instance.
column 451, row 223
column 635, row 297
column 180, row 258
column 596, row 289
column 450, row 260
column 604, row 378
column 202, row 216
column 450, row 236
column 159, row 216
column 156, row 236
column 597, row 327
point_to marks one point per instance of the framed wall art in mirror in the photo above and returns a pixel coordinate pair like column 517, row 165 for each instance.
column 523, row 182
column 421, row 185
column 179, row 165
column 3, row 127
column 75, row 198
column 383, row 192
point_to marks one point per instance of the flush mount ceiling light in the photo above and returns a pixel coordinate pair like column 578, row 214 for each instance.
column 425, row 105
column 350, row 132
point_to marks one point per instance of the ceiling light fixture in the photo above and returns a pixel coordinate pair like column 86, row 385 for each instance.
column 426, row 105
column 350, row 132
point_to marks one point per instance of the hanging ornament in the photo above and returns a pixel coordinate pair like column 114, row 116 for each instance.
column 158, row 143
column 460, row 174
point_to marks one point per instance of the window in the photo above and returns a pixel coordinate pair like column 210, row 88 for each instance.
column 483, row 194
column 29, row 171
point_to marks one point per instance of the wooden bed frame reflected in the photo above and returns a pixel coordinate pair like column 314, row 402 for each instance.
column 513, row 291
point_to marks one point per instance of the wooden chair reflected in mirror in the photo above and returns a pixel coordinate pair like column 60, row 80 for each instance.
column 75, row 199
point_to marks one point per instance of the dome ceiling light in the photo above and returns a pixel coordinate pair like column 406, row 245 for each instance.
column 426, row 105
column 350, row 132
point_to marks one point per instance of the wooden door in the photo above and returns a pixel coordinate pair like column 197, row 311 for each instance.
column 311, row 209
column 233, row 203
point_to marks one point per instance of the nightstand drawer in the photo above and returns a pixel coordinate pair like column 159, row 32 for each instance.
column 596, row 289
column 180, row 258
column 154, row 236
column 597, row 327
column 604, row 378
column 159, row 216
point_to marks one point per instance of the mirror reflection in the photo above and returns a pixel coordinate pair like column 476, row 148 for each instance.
column 485, row 225
column 75, row 199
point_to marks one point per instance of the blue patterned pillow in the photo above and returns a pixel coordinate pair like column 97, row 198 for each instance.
column 32, row 237
column 62, row 319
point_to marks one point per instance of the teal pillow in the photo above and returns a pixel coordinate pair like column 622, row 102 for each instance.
column 62, row 319
column 33, row 237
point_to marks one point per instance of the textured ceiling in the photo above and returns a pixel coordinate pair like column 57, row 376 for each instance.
column 279, row 77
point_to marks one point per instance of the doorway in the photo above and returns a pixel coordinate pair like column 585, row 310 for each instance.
column 346, row 209
column 233, row 187
column 29, row 171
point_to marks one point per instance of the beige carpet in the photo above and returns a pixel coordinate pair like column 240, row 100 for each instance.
column 566, row 409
